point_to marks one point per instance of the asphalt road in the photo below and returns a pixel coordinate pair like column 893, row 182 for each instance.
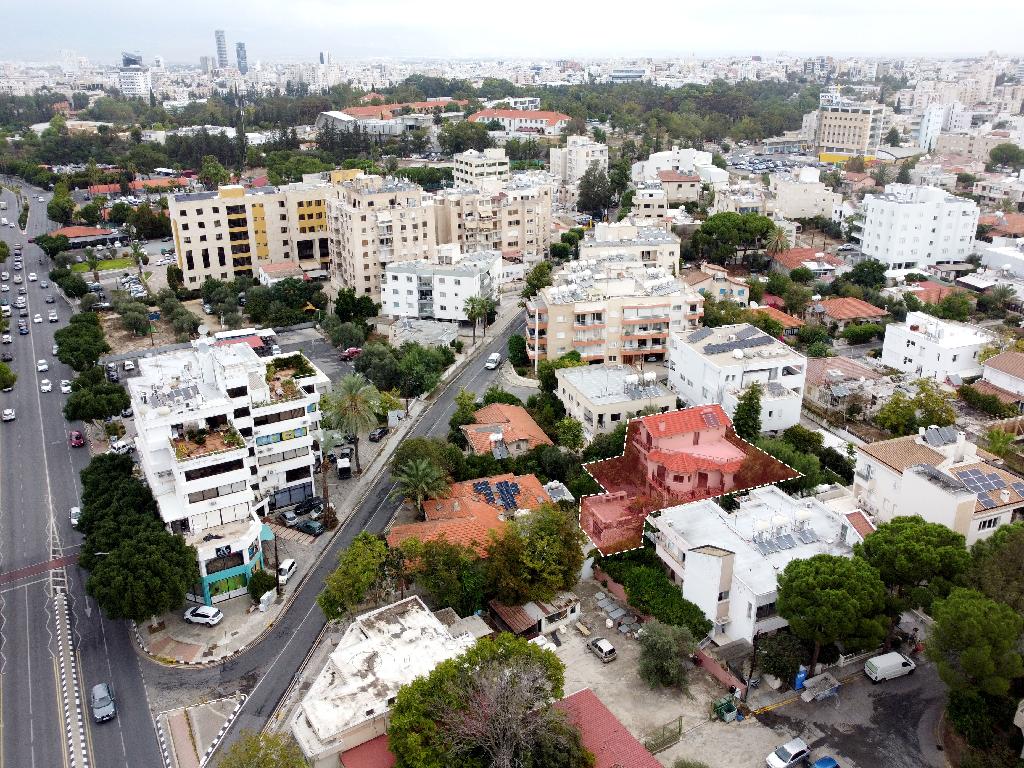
column 39, row 483
column 265, row 671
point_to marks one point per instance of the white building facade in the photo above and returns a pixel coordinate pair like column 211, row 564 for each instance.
column 930, row 348
column 435, row 291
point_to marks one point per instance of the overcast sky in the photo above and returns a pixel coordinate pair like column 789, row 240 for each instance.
column 182, row 30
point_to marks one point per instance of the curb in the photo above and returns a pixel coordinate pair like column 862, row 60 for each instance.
column 222, row 732
column 164, row 751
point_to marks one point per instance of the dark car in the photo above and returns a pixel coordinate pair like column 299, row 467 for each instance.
column 6, row 357
column 351, row 439
column 50, row 300
column 311, row 527
column 351, row 353
column 23, row 330
column 378, row 434
column 76, row 439
column 127, row 413
column 307, row 506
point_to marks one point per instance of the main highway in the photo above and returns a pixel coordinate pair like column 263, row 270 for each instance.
column 39, row 483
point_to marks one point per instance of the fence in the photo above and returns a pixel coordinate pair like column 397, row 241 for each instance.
column 664, row 737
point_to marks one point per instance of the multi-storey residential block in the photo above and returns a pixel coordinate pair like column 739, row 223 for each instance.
column 802, row 196
column 1002, row 192
column 601, row 397
column 650, row 203
column 570, row 162
column 848, row 128
column 437, row 291
column 612, row 309
column 224, row 437
column 514, row 218
column 653, row 245
column 691, row 162
column 374, row 222
column 481, row 169
column 680, row 187
column 930, row 348
column 910, row 228
column 972, row 144
column 715, row 365
column 135, row 81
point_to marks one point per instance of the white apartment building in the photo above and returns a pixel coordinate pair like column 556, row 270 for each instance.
column 436, row 291
column 653, row 245
column 481, row 169
column 350, row 699
column 135, row 82
column 514, row 218
column 740, row 198
column 233, row 231
column 376, row 221
column 613, row 309
column 601, row 397
column 570, row 162
column 715, row 365
column 690, row 162
column 939, row 475
column 727, row 563
column 1000, row 191
column 225, row 436
column 650, row 203
column 930, row 348
column 803, row 196
column 911, row 228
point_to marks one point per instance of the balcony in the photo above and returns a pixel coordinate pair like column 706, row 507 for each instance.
column 195, row 443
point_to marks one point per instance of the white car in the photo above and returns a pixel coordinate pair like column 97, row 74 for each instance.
column 65, row 387
column 8, row 414
column 7, row 339
column 493, row 361
column 41, row 199
column 31, row 277
column 5, row 275
column 37, row 319
column 45, row 386
column 203, row 614
column 129, row 365
column 17, row 278
column 4, row 287
column 42, row 366
column 55, row 348
column 52, row 317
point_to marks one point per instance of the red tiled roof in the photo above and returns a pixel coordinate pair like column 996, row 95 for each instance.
column 788, row 321
column 603, row 734
column 860, row 524
column 931, row 292
column 513, row 421
column 691, row 462
column 1010, row 363
column 370, row 754
column 551, row 118
column 671, row 175
column 1011, row 224
column 72, row 232
column 685, row 420
column 1003, row 395
column 254, row 341
column 771, row 300
column 386, row 111
column 161, row 183
column 795, row 257
column 515, row 617
column 849, row 308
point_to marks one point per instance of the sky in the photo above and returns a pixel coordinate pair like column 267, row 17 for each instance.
column 296, row 30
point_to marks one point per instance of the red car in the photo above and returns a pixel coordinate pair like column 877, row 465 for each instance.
column 351, row 353
column 76, row 439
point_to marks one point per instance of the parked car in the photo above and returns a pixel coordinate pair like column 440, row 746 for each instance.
column 378, row 434
column 307, row 506
column 129, row 365
column 74, row 515
column 601, row 648
column 203, row 614
column 6, row 357
column 42, row 366
column 351, row 353
column 888, row 666
column 76, row 439
column 65, row 387
column 825, row 762
column 8, row 414
column 493, row 361
column 286, row 570
column 310, row 527
column 795, row 752
column 102, row 702
column 121, row 447
column 289, row 518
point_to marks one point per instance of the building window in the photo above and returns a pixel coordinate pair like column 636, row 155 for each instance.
column 723, row 595
column 986, row 525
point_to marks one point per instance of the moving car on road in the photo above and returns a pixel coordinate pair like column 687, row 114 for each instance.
column 102, row 703
column 76, row 439
column 493, row 361
column 42, row 366
column 74, row 515
column 65, row 387
column 8, row 414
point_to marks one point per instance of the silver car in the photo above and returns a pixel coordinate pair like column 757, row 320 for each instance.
column 102, row 703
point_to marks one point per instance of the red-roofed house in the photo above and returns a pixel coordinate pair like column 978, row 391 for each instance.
column 472, row 510
column 824, row 266
column 272, row 274
column 388, row 111
column 536, row 618
column 158, row 184
column 679, row 187
column 604, row 736
column 670, row 458
column 843, row 311
column 504, row 430
column 790, row 325
column 929, row 291
column 524, row 120
column 85, row 237
column 1003, row 224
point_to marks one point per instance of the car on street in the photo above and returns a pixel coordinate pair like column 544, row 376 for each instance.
column 37, row 319
column 795, row 752
column 825, row 762
column 203, row 614
column 45, row 386
column 4, row 287
column 289, row 518
column 31, row 277
column 285, row 571
column 102, row 702
column 127, row 413
column 65, row 387
column 74, row 515
column 5, row 275
column 493, row 361
column 8, row 414
column 52, row 317
column 55, row 349
column 887, row 666
column 120, row 447
column 23, row 330
column 129, row 365
column 49, row 300
column 76, row 439
column 42, row 366
column 378, row 434
column 7, row 339
column 601, row 648
column 351, row 353
column 41, row 199
column 307, row 506
column 17, row 278
column 43, row 284
column 310, row 527
column 6, row 357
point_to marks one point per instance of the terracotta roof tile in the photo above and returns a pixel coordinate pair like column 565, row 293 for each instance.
column 73, row 232
column 795, row 257
column 1009, row 478
column 603, row 734
column 1011, row 224
column 685, row 420
column 671, row 175
column 899, row 453
column 860, row 524
column 849, row 308
column 788, row 321
column 551, row 118
column 514, row 422
column 1010, row 363
column 370, row 754
column 1004, row 395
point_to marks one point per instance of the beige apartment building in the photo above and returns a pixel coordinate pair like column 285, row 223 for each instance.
column 473, row 168
column 613, row 309
column 849, row 128
column 373, row 222
column 514, row 219
column 976, row 146
column 652, row 245
column 231, row 232
column 650, row 203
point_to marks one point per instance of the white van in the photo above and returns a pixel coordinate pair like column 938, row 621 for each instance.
column 3, row 222
column 493, row 361
column 887, row 666
column 285, row 570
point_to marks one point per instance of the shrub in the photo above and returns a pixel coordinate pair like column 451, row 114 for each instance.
column 968, row 713
column 260, row 583
column 989, row 404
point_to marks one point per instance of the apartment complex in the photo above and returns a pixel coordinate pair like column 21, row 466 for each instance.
column 601, row 397
column 650, row 203
column 652, row 245
column 1002, row 191
column 437, row 291
column 135, row 81
column 232, row 232
column 226, row 435
column 374, row 222
column 481, row 169
column 911, row 228
column 570, row 162
column 715, row 365
column 930, row 348
column 849, row 128
column 514, row 219
column 803, row 196
column 524, row 121
column 974, row 145
column 612, row 309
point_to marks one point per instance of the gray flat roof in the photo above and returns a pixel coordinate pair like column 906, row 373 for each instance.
column 607, row 385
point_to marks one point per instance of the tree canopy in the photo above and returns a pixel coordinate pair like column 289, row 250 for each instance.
column 362, row 574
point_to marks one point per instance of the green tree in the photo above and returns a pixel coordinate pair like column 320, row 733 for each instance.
column 93, row 397
column 827, row 598
column 903, row 176
column 607, row 445
column 452, row 574
column 52, row 245
column 146, row 575
column 999, row 441
column 953, row 306
column 777, row 242
column 747, row 418
column 7, row 376
column 260, row 583
column 664, row 652
column 496, row 394
column 360, row 574
column 932, row 405
column 819, row 349
column 569, row 433
column 255, row 749
column 781, row 655
column 478, row 308
column 1007, row 154
column 869, row 273
column 439, row 452
column 463, row 135
column 538, row 277
column 353, row 406
column 212, row 174
column 802, row 275
column 855, row 164
column 797, row 299
column 898, row 415
column 974, row 643
column 559, row 251
column 892, row 138
column 997, row 566
column 862, row 333
column 517, row 351
column 418, row 480
column 5, row 251
column 595, row 193
column 536, row 556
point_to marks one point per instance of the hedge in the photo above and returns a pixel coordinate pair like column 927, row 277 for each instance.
column 989, row 404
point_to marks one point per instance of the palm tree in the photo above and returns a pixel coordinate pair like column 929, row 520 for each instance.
column 776, row 242
column 93, row 263
column 999, row 442
column 354, row 405
column 137, row 255
column 418, row 480
column 1002, row 295
column 476, row 310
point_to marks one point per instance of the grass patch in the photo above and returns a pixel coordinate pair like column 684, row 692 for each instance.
column 104, row 266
